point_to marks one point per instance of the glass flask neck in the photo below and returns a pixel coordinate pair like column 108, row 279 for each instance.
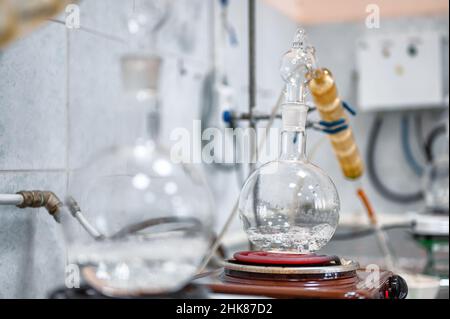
column 140, row 80
column 140, row 121
column 293, row 146
column 152, row 122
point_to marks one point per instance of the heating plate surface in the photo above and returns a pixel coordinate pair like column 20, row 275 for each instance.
column 346, row 266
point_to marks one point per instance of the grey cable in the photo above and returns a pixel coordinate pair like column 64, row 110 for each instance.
column 373, row 174
column 369, row 231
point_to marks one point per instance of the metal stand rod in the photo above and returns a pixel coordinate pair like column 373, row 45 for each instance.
column 252, row 55
column 252, row 71
column 11, row 199
column 252, row 89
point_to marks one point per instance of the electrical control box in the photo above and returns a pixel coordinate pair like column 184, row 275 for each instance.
column 400, row 71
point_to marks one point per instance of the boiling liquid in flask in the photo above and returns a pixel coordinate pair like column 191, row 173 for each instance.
column 297, row 239
column 159, row 264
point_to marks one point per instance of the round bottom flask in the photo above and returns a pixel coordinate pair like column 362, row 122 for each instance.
column 289, row 205
column 144, row 226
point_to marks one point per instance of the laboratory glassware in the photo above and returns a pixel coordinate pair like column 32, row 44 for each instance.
column 151, row 219
column 145, row 216
column 291, row 205
column 326, row 97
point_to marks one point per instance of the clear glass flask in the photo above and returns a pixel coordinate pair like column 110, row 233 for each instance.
column 291, row 205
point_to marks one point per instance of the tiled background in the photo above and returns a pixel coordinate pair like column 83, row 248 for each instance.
column 60, row 102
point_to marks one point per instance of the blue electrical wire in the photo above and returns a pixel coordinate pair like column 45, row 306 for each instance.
column 234, row 41
column 335, row 130
column 338, row 126
column 406, row 146
column 350, row 109
column 333, row 123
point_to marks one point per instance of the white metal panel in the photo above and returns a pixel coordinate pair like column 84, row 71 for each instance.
column 400, row 71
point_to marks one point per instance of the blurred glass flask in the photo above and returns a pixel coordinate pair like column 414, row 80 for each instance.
column 145, row 21
column 154, row 215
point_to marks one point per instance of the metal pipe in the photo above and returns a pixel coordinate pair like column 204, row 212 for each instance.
column 252, row 55
column 11, row 199
column 257, row 117
column 252, row 87
column 34, row 199
column 252, row 72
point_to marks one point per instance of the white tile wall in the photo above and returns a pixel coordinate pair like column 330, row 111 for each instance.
column 94, row 96
column 32, row 99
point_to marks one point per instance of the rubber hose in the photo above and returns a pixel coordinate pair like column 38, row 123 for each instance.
column 368, row 232
column 373, row 175
column 406, row 146
column 431, row 139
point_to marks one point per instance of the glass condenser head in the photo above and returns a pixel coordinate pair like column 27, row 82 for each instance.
column 291, row 205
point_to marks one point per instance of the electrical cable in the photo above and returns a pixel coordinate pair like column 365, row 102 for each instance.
column 368, row 206
column 431, row 139
column 369, row 231
column 209, row 102
column 406, row 146
column 380, row 234
column 210, row 98
column 418, row 130
column 315, row 148
column 373, row 174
